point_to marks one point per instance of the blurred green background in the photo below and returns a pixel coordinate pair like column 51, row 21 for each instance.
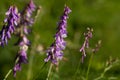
column 101, row 15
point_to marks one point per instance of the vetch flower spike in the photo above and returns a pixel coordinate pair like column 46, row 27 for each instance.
column 18, row 23
column 85, row 45
column 22, row 54
column 25, row 21
column 10, row 23
column 55, row 52
column 27, row 14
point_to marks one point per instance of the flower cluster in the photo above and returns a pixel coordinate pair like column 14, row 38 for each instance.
column 85, row 45
column 27, row 19
column 17, row 23
column 22, row 54
column 23, row 42
column 10, row 23
column 55, row 52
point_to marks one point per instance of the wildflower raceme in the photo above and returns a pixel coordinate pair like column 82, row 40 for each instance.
column 23, row 42
column 55, row 52
column 85, row 45
column 10, row 23
column 26, row 16
column 22, row 54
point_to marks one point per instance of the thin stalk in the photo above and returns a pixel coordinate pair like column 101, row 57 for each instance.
column 31, row 58
column 77, row 69
column 38, row 73
column 49, row 72
column 102, row 74
column 33, row 48
column 88, row 70
column 6, row 76
column 30, row 66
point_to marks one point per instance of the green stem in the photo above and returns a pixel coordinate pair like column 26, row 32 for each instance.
column 6, row 76
column 39, row 73
column 31, row 58
column 101, row 76
column 49, row 71
column 33, row 48
column 30, row 66
column 88, row 70
column 77, row 69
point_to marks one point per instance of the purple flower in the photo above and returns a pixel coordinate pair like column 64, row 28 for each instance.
column 10, row 23
column 25, row 21
column 55, row 52
column 17, row 67
column 27, row 14
column 22, row 54
column 85, row 45
column 30, row 8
